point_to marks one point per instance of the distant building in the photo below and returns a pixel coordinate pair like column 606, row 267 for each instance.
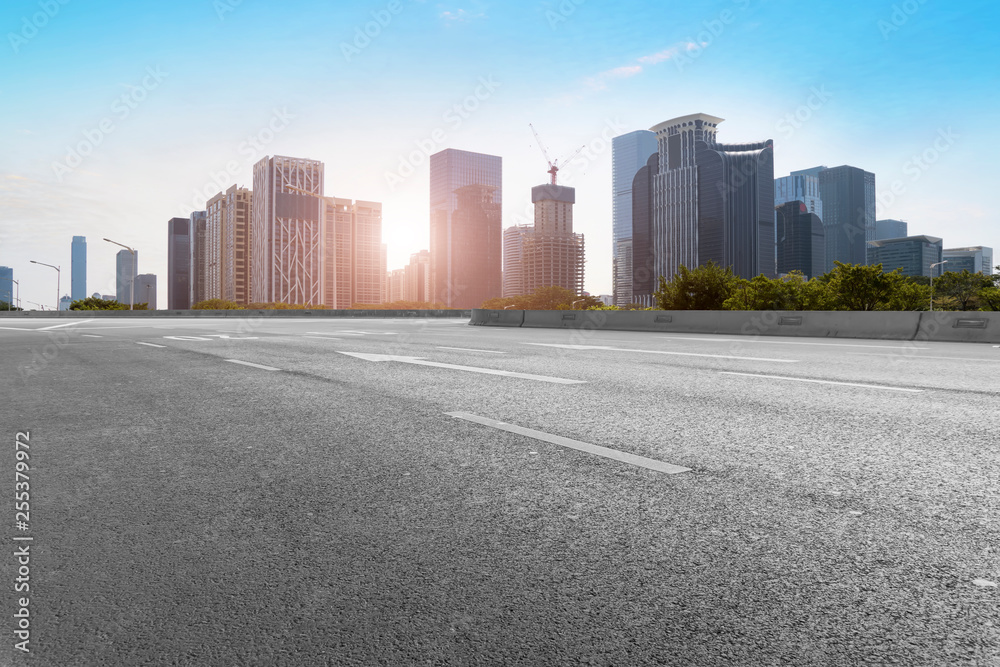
column 552, row 255
column 801, row 242
column 641, row 257
column 607, row 299
column 913, row 254
column 78, row 288
column 513, row 259
column 237, row 245
column 65, row 302
column 7, row 288
column 800, row 186
column 145, row 290
column 396, row 279
column 466, row 202
column 974, row 259
column 286, row 231
column 629, row 153
column 179, row 263
column 890, row 229
column 354, row 270
column 125, row 273
column 848, row 195
column 417, row 277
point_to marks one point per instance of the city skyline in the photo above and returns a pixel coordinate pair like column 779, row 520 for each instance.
column 909, row 101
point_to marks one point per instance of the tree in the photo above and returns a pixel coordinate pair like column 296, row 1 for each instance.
column 553, row 297
column 705, row 287
column 402, row 305
column 910, row 295
column 94, row 303
column 861, row 287
column 763, row 293
column 964, row 287
column 6, row 306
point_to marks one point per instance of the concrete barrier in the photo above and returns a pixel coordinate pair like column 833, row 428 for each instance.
column 879, row 325
column 318, row 312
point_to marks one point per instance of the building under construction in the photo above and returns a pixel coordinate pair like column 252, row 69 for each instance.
column 552, row 254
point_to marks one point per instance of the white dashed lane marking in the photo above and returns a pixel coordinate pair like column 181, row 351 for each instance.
column 247, row 363
column 845, row 384
column 149, row 344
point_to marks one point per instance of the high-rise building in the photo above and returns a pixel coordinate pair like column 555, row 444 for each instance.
column 237, row 245
column 353, row 259
column 890, row 229
column 801, row 240
column 287, row 231
column 848, row 195
column 711, row 201
column 145, row 290
column 552, row 255
column 513, row 259
column 800, row 186
column 974, row 259
column 913, row 254
column 179, row 263
column 466, row 199
column 199, row 253
column 417, row 277
column 125, row 273
column 395, row 280
column 629, row 153
column 639, row 257
column 78, row 289
column 211, row 268
column 7, row 288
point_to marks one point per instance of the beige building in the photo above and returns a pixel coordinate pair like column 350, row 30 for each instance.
column 211, row 259
column 226, row 260
column 513, row 259
column 355, row 259
column 552, row 255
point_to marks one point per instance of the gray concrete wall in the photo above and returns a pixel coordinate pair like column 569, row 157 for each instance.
column 981, row 327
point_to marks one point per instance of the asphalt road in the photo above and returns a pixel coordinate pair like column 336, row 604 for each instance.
column 839, row 506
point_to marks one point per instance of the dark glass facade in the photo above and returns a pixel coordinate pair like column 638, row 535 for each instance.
column 913, row 254
column 736, row 207
column 801, row 240
column 78, row 290
column 178, row 264
column 644, row 277
column 848, row 195
column 466, row 235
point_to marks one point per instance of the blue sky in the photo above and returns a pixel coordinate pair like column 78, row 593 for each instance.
column 174, row 99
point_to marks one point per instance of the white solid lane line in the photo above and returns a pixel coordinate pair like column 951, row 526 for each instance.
column 750, row 339
column 845, row 384
column 676, row 354
column 419, row 361
column 91, row 336
column 67, row 324
column 469, row 349
column 247, row 363
column 597, row 450
column 139, row 342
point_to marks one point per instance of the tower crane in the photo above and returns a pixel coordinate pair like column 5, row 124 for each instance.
column 553, row 166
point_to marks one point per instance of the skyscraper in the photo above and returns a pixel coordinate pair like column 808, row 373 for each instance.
column 642, row 261
column 552, row 255
column 287, row 231
column 126, row 271
column 145, row 290
column 78, row 290
column 800, row 186
column 913, row 254
column 890, row 229
column 974, row 259
column 629, row 153
column 237, row 245
column 179, row 263
column 801, row 240
column 211, row 267
column 513, row 259
column 417, row 277
column 197, row 262
column 353, row 263
column 848, row 195
column 712, row 201
column 466, row 204
column 7, row 287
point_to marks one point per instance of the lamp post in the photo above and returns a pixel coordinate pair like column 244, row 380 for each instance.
column 18, row 297
column 932, row 282
column 58, row 278
column 131, row 298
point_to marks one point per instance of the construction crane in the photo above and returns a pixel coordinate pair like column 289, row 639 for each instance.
column 553, row 166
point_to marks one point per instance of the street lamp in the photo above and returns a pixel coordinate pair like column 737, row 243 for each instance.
column 131, row 297
column 573, row 306
column 18, row 298
column 58, row 279
column 932, row 282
